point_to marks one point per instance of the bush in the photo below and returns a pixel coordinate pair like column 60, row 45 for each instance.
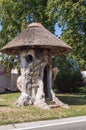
column 83, row 90
column 68, row 82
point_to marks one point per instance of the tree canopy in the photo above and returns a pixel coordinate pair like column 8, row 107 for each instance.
column 15, row 15
column 71, row 17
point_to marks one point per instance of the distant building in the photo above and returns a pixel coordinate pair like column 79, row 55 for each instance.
column 14, row 76
column 7, row 81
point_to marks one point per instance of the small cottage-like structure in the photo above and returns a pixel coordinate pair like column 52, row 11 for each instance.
column 35, row 47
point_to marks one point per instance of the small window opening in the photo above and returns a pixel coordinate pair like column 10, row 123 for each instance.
column 29, row 58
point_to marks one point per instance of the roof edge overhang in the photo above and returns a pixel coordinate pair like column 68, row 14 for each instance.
column 55, row 50
column 36, row 36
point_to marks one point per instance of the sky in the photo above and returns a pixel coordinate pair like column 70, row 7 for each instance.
column 0, row 27
column 58, row 30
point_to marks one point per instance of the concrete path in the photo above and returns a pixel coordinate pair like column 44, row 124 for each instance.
column 37, row 124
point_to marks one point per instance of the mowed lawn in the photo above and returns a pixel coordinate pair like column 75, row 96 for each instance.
column 9, row 113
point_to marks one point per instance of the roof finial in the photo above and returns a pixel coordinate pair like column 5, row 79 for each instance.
column 34, row 24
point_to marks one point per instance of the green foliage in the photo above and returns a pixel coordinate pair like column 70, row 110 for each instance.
column 66, row 63
column 69, row 79
column 68, row 82
column 71, row 17
column 83, row 90
column 9, row 62
column 16, row 15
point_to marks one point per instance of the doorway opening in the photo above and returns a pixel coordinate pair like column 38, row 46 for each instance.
column 46, row 81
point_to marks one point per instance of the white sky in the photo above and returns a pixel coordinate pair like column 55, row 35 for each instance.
column 0, row 27
column 57, row 30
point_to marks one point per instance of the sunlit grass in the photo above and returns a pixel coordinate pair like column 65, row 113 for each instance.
column 9, row 113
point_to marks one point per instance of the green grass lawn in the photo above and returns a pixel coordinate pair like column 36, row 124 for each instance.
column 9, row 113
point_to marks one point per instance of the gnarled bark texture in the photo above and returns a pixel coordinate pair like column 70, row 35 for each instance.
column 35, row 82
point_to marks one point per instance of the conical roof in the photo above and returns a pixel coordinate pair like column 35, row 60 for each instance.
column 36, row 36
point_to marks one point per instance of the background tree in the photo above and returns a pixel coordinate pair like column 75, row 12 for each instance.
column 16, row 15
column 71, row 17
column 69, row 78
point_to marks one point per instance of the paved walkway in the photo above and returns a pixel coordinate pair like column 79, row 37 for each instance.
column 41, row 123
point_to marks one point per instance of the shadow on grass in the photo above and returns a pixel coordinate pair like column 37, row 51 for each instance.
column 3, row 105
column 73, row 99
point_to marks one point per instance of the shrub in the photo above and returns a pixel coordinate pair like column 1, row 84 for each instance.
column 68, row 82
column 83, row 90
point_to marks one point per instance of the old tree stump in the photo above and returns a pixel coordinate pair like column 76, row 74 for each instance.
column 35, row 47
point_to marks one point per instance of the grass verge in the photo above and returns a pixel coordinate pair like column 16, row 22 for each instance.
column 10, row 114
